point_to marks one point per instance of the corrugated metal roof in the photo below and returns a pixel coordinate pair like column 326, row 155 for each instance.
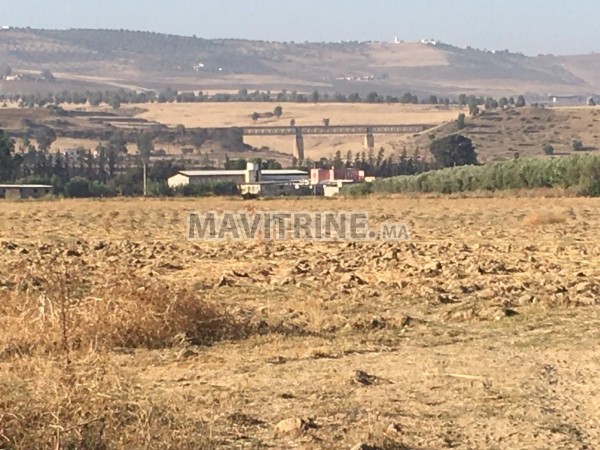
column 284, row 172
column 213, row 173
column 33, row 186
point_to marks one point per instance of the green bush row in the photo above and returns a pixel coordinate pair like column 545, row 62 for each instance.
column 579, row 172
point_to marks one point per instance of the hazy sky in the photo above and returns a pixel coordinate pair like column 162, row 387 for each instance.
column 530, row 26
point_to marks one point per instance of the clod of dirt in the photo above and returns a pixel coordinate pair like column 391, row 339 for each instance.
column 100, row 246
column 394, row 428
column 170, row 266
column 405, row 320
column 302, row 267
column 526, row 299
column 224, row 281
column 364, row 378
column 433, row 269
column 351, row 279
column 509, row 312
column 245, row 420
column 241, row 274
column 495, row 313
column 277, row 360
column 362, row 446
column 294, row 428
column 285, row 281
column 10, row 245
column 378, row 323
column 447, row 299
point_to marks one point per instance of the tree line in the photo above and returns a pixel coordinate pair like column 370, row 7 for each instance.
column 106, row 171
column 117, row 98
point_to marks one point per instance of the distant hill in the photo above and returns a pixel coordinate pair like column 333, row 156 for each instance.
column 92, row 59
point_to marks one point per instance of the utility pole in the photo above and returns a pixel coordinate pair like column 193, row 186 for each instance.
column 144, row 163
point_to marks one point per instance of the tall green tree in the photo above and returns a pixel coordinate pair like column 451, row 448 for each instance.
column 455, row 150
column 145, row 145
column 7, row 163
column 45, row 137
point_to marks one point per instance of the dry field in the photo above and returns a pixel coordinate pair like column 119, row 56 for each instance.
column 238, row 114
column 480, row 333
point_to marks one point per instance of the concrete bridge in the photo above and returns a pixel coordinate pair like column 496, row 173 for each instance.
column 298, row 132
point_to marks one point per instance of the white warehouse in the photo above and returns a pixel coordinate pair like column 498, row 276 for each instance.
column 250, row 175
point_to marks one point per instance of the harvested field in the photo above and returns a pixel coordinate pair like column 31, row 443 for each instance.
column 481, row 332
column 239, row 114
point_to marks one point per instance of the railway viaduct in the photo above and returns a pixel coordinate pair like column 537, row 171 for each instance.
column 298, row 132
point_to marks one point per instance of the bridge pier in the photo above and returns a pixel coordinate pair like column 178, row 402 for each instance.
column 299, row 145
column 369, row 140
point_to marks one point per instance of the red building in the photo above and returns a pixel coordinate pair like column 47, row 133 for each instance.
column 325, row 176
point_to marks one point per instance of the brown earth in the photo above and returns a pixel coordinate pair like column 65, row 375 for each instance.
column 481, row 332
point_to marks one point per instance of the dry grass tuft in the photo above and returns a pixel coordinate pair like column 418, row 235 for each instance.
column 59, row 310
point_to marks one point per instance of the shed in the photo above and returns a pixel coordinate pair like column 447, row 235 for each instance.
column 186, row 177
column 273, row 189
column 16, row 191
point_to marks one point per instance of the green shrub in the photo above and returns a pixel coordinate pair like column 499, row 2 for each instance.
column 78, row 187
column 358, row 190
column 581, row 172
column 205, row 189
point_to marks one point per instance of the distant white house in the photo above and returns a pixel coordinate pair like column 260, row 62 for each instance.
column 569, row 99
column 15, row 77
column 73, row 154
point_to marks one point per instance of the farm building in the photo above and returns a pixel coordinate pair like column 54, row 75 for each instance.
column 236, row 176
column 568, row 99
column 16, row 191
column 328, row 176
column 273, row 189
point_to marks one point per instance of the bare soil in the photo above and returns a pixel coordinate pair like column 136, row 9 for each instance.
column 481, row 332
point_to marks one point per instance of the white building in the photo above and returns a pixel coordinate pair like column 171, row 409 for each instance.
column 251, row 175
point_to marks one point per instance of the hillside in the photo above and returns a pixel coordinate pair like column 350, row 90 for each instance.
column 89, row 59
column 499, row 135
